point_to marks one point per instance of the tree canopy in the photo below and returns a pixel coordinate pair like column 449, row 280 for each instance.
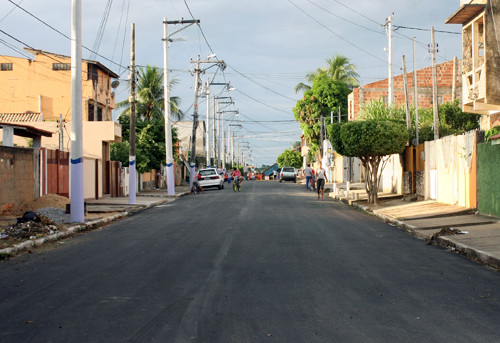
column 150, row 96
column 338, row 69
column 325, row 95
column 289, row 158
column 370, row 141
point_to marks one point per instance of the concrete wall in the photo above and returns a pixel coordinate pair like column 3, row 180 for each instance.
column 18, row 179
column 392, row 176
column 488, row 179
column 450, row 170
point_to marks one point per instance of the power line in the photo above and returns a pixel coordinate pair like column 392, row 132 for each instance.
column 64, row 35
column 420, row 29
column 344, row 19
column 335, row 33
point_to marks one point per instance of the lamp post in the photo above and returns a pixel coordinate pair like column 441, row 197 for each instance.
column 166, row 88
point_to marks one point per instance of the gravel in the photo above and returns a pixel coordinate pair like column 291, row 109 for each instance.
column 57, row 215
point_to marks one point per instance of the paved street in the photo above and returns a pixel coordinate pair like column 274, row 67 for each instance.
column 269, row 264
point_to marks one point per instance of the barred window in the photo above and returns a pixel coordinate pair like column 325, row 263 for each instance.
column 61, row 66
column 6, row 66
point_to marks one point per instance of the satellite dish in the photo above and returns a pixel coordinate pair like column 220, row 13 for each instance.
column 115, row 84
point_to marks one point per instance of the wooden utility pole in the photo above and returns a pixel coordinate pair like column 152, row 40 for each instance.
column 415, row 88
column 390, row 97
column 407, row 98
column 131, row 99
column 454, row 85
column 195, row 122
column 434, row 87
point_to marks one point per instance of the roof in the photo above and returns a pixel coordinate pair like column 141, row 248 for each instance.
column 24, row 130
column 20, row 117
column 495, row 137
column 465, row 13
column 102, row 67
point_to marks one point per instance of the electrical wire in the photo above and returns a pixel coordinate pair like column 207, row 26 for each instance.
column 64, row 35
column 102, row 28
column 333, row 32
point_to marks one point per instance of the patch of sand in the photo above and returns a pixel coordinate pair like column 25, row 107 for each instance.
column 48, row 200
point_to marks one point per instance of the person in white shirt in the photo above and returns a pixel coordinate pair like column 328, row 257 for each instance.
column 321, row 180
column 308, row 172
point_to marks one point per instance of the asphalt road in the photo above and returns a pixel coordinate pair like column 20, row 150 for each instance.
column 269, row 264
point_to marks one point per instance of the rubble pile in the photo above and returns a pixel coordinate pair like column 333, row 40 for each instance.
column 30, row 226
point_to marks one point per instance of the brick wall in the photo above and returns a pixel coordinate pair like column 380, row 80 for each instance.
column 379, row 89
column 17, row 178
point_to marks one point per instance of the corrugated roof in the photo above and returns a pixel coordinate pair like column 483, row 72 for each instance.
column 20, row 117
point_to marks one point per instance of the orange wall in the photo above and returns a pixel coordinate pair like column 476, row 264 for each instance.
column 21, row 88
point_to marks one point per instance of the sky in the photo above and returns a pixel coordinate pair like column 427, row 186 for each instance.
column 267, row 46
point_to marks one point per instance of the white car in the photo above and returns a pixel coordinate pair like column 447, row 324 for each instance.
column 210, row 178
column 288, row 174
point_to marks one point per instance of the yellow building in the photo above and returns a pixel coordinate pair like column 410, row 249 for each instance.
column 38, row 91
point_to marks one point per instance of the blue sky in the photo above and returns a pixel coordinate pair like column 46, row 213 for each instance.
column 269, row 46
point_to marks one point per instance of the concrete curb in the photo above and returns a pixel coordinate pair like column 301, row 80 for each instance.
column 471, row 253
column 443, row 241
column 70, row 231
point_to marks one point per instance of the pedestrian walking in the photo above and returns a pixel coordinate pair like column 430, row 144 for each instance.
column 321, row 179
column 308, row 172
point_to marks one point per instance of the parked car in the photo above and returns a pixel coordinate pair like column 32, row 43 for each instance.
column 288, row 174
column 210, row 178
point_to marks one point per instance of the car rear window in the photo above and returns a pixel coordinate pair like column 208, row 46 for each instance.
column 288, row 170
column 207, row 172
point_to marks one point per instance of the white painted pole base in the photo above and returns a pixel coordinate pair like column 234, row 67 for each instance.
column 170, row 179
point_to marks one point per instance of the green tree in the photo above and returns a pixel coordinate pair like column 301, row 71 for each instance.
column 338, row 69
column 150, row 96
column 370, row 141
column 452, row 120
column 289, row 158
column 150, row 143
column 324, row 96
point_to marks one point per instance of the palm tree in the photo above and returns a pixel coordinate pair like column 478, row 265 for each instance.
column 339, row 69
column 150, row 96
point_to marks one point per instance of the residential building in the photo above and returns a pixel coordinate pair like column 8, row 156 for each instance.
column 37, row 92
column 480, row 20
column 379, row 89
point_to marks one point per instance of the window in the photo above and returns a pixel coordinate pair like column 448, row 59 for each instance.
column 61, row 66
column 6, row 66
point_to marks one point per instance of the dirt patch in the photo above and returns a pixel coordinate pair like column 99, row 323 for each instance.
column 48, row 200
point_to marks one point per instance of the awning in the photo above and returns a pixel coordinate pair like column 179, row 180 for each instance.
column 27, row 131
column 465, row 13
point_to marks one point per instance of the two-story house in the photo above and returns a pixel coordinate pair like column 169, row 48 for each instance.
column 42, row 85
column 480, row 20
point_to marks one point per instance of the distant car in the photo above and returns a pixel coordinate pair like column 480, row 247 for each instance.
column 288, row 174
column 210, row 178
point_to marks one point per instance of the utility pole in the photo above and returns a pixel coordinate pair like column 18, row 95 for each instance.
column 61, row 132
column 195, row 112
column 454, row 85
column 195, row 122
column 166, row 88
column 407, row 97
column 390, row 97
column 321, row 136
column 131, row 99
column 214, row 133
column 434, row 87
column 415, row 88
column 77, row 214
column 207, row 122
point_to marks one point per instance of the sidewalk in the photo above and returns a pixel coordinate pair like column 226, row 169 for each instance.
column 455, row 227
column 99, row 212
